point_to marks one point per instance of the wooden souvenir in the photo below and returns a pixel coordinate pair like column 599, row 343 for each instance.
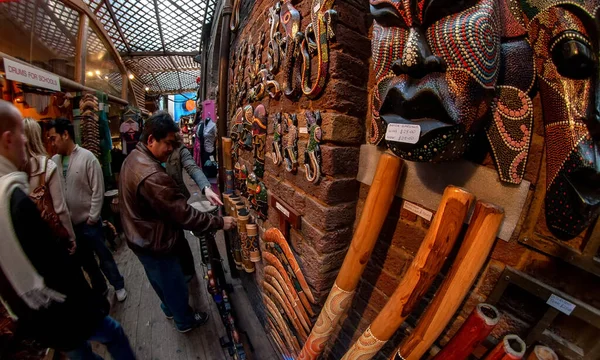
column 473, row 331
column 445, row 228
column 290, row 293
column 510, row 348
column 541, row 352
column 474, row 250
column 378, row 202
column 295, row 286
column 312, row 155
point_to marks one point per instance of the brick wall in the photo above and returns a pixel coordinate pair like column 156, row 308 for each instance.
column 328, row 208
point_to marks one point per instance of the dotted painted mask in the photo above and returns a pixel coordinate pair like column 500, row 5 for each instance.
column 436, row 64
column 563, row 36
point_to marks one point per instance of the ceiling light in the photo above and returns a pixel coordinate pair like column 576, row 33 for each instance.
column 90, row 73
column 105, row 77
column 131, row 76
column 147, row 88
column 98, row 72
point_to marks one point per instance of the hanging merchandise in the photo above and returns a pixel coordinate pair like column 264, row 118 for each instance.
column 131, row 129
column 312, row 155
column 291, row 21
column 207, row 135
column 90, row 128
column 259, row 139
column 257, row 195
column 105, row 136
column 276, row 147
column 289, row 142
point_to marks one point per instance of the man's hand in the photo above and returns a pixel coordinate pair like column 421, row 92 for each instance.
column 72, row 247
column 229, row 222
column 92, row 223
column 212, row 197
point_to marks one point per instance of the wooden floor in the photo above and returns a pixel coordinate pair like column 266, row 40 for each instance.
column 154, row 337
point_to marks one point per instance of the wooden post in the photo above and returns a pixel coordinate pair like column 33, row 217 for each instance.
column 81, row 51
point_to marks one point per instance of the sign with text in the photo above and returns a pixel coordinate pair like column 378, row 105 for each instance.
column 416, row 209
column 560, row 304
column 17, row 71
column 404, row 133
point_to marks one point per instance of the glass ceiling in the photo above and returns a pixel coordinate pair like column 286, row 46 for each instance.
column 156, row 39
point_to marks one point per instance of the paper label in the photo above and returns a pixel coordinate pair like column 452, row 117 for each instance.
column 416, row 209
column 403, row 133
column 561, row 304
column 303, row 130
column 283, row 210
column 212, row 158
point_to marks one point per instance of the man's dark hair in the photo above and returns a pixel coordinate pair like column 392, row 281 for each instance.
column 159, row 126
column 61, row 125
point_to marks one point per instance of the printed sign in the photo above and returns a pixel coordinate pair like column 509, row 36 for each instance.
column 303, row 130
column 561, row 304
column 30, row 75
column 416, row 209
column 404, row 133
column 283, row 210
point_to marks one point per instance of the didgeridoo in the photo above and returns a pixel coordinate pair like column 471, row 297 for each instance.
column 473, row 252
column 434, row 250
column 273, row 235
column 277, row 338
column 289, row 311
column 281, row 324
column 473, row 331
column 292, row 285
column 510, row 348
column 378, row 202
column 298, row 317
column 541, row 352
column 290, row 293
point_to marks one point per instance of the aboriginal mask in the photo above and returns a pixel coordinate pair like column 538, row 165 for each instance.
column 436, row 64
column 564, row 36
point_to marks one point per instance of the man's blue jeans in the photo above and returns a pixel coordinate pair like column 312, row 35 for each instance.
column 111, row 334
column 91, row 238
column 167, row 279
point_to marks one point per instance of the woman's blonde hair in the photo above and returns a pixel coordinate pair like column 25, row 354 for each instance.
column 33, row 131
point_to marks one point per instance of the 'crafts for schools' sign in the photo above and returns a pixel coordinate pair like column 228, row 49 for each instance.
column 30, row 75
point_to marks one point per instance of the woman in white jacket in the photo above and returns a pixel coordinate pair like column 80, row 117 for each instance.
column 38, row 163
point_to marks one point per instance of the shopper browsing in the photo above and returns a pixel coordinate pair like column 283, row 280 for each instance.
column 85, row 195
column 40, row 284
column 154, row 213
column 44, row 176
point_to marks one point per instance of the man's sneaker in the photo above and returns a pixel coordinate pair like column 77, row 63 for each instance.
column 121, row 294
column 200, row 318
column 168, row 314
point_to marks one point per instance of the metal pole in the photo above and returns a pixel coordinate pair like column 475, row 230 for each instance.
column 223, row 85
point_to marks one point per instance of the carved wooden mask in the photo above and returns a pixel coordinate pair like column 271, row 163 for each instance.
column 437, row 65
column 564, row 36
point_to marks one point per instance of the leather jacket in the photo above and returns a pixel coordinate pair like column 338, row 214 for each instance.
column 154, row 211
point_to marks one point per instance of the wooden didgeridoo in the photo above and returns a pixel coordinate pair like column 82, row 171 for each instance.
column 275, row 236
column 474, row 250
column 274, row 261
column 291, row 295
column 445, row 228
column 378, row 202
column 510, row 348
column 541, row 352
column 280, row 322
column 473, row 331
column 289, row 311
column 273, row 282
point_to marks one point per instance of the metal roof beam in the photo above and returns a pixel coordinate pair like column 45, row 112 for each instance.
column 114, row 19
column 162, row 38
column 177, row 71
column 181, row 37
column 184, row 11
column 44, row 5
column 157, row 53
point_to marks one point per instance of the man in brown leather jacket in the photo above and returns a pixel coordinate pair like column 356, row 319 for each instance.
column 155, row 212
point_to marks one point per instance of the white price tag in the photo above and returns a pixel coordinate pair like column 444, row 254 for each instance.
column 561, row 304
column 416, row 209
column 303, row 130
column 282, row 209
column 404, row 133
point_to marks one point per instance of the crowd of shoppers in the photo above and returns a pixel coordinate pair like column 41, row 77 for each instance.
column 53, row 229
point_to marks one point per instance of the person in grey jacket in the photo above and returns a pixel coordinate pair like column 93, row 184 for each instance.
column 179, row 160
column 85, row 195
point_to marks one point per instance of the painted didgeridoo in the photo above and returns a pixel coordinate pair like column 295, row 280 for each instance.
column 510, row 348
column 290, row 293
column 474, row 250
column 541, row 352
column 274, row 261
column 227, row 163
column 378, row 202
column 281, row 323
column 473, row 331
column 275, row 236
column 289, row 311
column 268, row 279
column 276, row 334
column 430, row 258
